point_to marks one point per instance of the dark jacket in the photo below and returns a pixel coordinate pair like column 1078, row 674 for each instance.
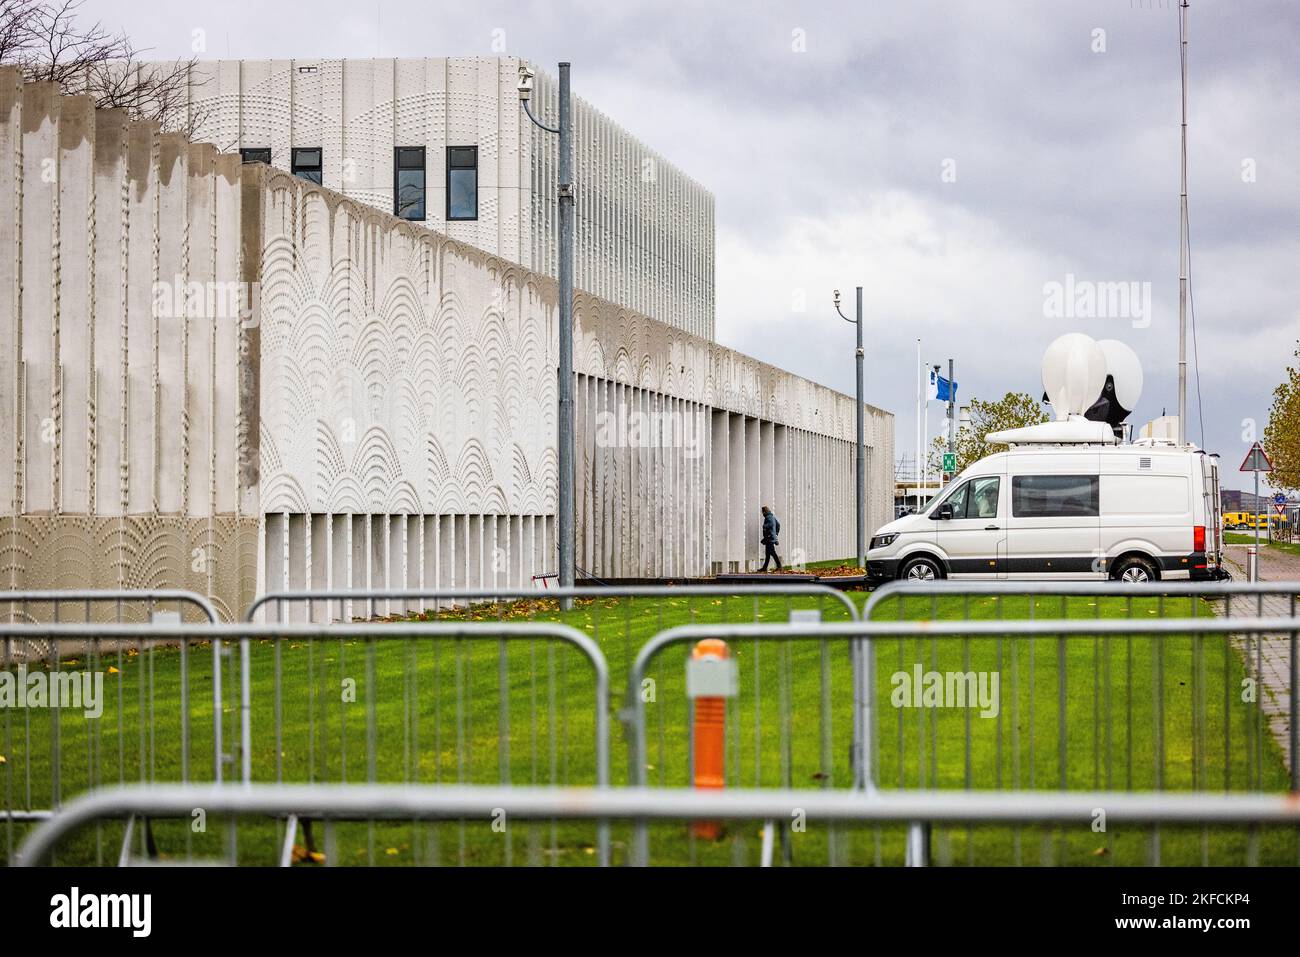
column 771, row 528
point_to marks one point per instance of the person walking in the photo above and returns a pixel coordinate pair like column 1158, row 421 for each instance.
column 771, row 528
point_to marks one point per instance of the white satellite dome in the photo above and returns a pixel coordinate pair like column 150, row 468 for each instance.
column 1074, row 372
column 1125, row 369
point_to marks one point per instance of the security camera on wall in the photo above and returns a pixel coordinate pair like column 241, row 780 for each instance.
column 525, row 85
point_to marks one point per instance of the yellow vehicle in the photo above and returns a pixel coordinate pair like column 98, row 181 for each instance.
column 1252, row 520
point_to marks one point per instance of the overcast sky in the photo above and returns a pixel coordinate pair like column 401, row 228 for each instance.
column 951, row 157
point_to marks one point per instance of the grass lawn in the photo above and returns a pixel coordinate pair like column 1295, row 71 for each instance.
column 487, row 712
column 1248, row 538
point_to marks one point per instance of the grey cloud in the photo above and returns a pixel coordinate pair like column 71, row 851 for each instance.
column 1066, row 159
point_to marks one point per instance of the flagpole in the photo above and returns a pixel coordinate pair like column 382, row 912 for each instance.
column 917, row 475
column 925, row 430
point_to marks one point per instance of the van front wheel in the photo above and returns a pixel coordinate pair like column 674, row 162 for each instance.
column 921, row 570
column 1135, row 569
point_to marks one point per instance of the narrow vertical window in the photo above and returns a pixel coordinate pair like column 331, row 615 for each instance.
column 256, row 154
column 408, row 182
column 306, row 164
column 462, row 182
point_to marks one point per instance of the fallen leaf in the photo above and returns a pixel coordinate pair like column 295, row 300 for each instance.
column 112, row 670
column 301, row 855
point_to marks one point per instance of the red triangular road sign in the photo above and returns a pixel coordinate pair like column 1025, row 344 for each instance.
column 1256, row 460
column 1280, row 508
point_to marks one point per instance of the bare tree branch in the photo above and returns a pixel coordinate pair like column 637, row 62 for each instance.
column 45, row 39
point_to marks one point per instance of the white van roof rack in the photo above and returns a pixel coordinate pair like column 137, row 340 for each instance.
column 1074, row 431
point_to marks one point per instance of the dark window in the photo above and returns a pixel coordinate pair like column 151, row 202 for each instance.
column 977, row 498
column 462, row 182
column 408, row 182
column 1054, row 496
column 306, row 164
column 256, row 154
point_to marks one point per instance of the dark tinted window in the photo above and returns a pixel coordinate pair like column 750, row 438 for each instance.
column 307, row 164
column 408, row 182
column 462, row 182
column 256, row 154
column 1054, row 496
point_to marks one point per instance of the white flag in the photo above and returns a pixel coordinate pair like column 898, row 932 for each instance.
column 931, row 385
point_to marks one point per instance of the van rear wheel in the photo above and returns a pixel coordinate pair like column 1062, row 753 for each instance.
column 921, row 570
column 1135, row 569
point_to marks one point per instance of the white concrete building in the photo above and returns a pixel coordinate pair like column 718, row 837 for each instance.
column 219, row 376
column 443, row 141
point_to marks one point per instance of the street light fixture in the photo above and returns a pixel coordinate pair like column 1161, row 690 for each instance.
column 862, row 456
column 564, row 427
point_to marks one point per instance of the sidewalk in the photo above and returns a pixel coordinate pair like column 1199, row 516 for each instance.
column 1274, row 653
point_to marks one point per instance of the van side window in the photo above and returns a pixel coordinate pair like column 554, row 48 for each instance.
column 977, row 498
column 1054, row 496
column 983, row 499
column 957, row 500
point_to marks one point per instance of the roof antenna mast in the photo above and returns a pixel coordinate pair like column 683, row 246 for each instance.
column 1182, row 236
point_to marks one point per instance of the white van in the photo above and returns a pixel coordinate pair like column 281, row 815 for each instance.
column 1137, row 512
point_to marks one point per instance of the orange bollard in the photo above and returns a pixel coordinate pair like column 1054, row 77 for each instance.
column 710, row 736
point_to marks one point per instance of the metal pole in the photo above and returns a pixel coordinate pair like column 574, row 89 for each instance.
column 952, row 415
column 1252, row 566
column 564, row 519
column 862, row 454
column 918, row 424
column 1182, row 239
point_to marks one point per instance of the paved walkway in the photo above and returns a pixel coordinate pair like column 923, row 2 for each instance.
column 1273, row 655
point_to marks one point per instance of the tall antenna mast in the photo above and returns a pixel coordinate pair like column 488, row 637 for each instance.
column 1182, row 238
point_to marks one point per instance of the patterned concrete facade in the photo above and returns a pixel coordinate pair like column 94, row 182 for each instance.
column 645, row 230
column 224, row 378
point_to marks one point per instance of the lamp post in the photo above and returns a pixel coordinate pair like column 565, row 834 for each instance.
column 564, row 427
column 861, row 469
column 863, row 656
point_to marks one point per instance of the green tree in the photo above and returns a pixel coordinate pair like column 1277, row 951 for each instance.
column 1282, row 435
column 1012, row 411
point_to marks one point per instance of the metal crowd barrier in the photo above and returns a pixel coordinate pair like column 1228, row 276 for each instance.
column 415, row 600
column 361, row 688
column 612, row 616
column 1288, row 592
column 338, row 803
column 787, row 668
column 1269, row 659
column 25, row 646
column 989, row 749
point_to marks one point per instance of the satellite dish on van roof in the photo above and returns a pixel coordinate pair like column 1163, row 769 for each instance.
column 1123, row 386
column 1125, row 368
column 1074, row 373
